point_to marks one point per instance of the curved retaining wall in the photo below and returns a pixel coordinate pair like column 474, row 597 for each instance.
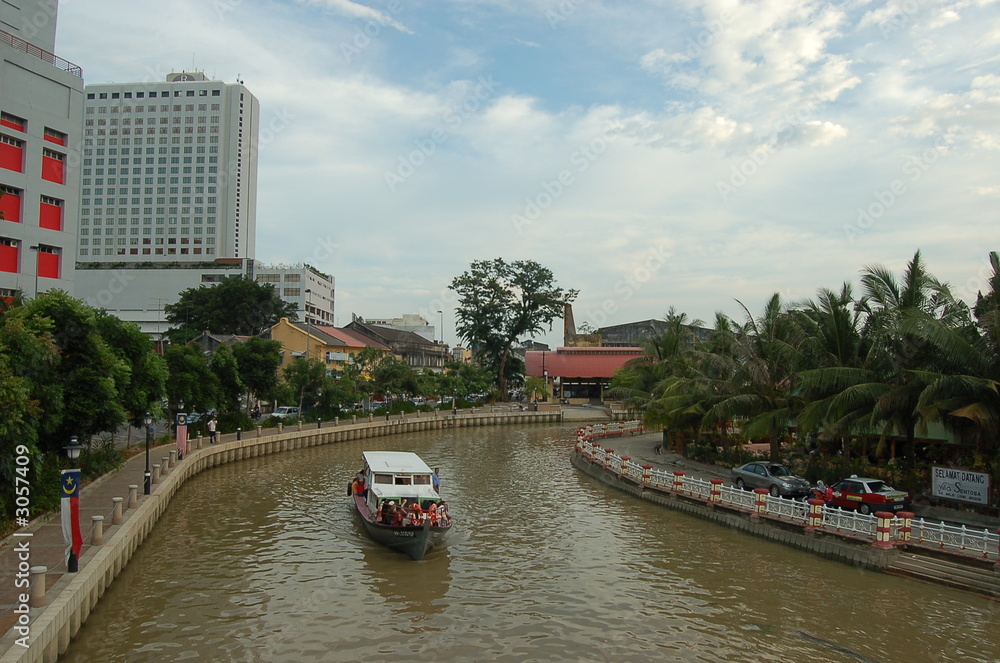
column 846, row 551
column 76, row 594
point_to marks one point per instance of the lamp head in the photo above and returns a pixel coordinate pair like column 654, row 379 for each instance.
column 74, row 448
column 147, row 419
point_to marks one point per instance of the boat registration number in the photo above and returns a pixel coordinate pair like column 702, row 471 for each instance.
column 404, row 533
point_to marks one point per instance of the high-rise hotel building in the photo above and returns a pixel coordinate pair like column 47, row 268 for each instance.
column 169, row 171
column 41, row 121
column 168, row 193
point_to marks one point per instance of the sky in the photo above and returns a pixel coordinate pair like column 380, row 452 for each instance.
column 652, row 154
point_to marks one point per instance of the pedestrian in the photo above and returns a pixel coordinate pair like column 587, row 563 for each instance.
column 436, row 480
column 211, row 430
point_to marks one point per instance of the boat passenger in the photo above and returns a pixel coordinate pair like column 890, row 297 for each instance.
column 432, row 514
column 355, row 487
column 416, row 514
column 442, row 511
column 397, row 516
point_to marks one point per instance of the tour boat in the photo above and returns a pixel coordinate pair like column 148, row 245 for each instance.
column 394, row 481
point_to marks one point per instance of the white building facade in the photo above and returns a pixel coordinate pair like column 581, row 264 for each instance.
column 304, row 285
column 41, row 117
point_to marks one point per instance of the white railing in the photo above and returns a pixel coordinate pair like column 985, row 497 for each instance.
column 928, row 534
column 954, row 537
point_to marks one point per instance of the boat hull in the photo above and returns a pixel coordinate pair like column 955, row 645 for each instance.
column 415, row 541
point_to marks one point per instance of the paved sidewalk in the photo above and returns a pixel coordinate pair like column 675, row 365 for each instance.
column 46, row 544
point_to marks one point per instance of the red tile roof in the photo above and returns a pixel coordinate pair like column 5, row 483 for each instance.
column 352, row 339
column 579, row 362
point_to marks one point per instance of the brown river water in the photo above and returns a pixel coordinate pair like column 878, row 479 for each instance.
column 262, row 560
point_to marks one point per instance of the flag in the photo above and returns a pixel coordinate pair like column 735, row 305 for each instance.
column 69, row 484
column 182, row 435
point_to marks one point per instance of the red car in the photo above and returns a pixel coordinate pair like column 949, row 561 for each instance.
column 869, row 496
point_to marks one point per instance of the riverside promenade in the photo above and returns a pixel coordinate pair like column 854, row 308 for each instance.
column 42, row 606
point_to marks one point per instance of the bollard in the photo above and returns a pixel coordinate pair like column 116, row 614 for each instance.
column 815, row 517
column 173, row 457
column 678, row 486
column 715, row 494
column 156, row 474
column 280, row 428
column 97, row 531
column 239, row 434
column 336, row 421
column 36, row 597
column 905, row 528
column 647, row 476
column 116, row 512
column 759, row 502
column 164, row 466
column 195, row 443
column 133, row 496
column 258, row 431
column 882, row 530
column 298, row 426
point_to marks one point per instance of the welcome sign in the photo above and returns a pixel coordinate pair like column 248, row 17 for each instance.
column 953, row 484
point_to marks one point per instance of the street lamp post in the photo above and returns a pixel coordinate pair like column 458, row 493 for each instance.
column 147, row 421
column 73, row 452
column 441, row 313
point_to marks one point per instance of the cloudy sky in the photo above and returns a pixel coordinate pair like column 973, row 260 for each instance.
column 650, row 153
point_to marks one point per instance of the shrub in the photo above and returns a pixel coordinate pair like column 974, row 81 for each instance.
column 100, row 457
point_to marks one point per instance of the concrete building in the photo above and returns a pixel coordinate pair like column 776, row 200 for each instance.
column 41, row 118
column 169, row 171
column 304, row 285
column 414, row 350
column 336, row 348
column 410, row 322
column 168, row 192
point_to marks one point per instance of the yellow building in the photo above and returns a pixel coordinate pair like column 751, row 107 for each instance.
column 336, row 348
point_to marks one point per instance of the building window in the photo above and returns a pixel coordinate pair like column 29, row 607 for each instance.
column 53, row 166
column 13, row 122
column 50, row 213
column 10, row 204
column 53, row 136
column 11, row 153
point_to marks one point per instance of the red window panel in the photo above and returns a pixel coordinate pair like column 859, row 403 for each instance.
column 50, row 213
column 48, row 265
column 12, row 121
column 53, row 136
column 11, row 154
column 53, row 167
column 8, row 256
column 10, row 206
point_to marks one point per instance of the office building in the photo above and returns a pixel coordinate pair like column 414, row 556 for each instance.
column 41, row 118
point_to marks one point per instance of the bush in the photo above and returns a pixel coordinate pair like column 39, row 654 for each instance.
column 100, row 457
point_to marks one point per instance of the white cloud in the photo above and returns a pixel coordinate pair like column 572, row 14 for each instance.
column 359, row 11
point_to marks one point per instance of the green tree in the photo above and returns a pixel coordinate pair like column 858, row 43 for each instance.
column 535, row 388
column 83, row 385
column 500, row 302
column 259, row 360
column 237, row 305
column 226, row 369
column 145, row 386
column 191, row 380
column 305, row 377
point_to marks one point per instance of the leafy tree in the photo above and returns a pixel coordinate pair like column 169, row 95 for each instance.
column 191, row 379
column 224, row 365
column 259, row 360
column 305, row 378
column 500, row 302
column 535, row 387
column 145, row 386
column 83, row 385
column 237, row 305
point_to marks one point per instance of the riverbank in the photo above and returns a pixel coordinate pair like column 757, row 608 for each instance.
column 42, row 606
column 962, row 557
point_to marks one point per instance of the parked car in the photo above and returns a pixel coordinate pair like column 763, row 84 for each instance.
column 286, row 412
column 771, row 476
column 868, row 496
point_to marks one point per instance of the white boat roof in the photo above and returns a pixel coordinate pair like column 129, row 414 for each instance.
column 395, row 462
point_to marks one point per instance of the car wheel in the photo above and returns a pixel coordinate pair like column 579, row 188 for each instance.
column 775, row 492
column 865, row 509
column 741, row 484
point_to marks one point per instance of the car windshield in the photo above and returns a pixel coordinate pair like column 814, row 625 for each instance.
column 778, row 470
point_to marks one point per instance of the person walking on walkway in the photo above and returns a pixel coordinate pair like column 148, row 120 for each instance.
column 211, row 430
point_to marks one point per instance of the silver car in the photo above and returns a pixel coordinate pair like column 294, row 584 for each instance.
column 771, row 476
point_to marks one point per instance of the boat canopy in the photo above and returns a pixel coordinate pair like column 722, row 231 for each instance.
column 395, row 462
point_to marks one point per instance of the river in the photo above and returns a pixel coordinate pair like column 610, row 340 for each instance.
column 262, row 560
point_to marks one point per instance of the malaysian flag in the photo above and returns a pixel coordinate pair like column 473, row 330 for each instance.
column 70, row 511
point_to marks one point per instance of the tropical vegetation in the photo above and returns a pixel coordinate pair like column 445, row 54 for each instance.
column 850, row 377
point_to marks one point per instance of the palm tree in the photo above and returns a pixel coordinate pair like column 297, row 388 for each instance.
column 755, row 381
